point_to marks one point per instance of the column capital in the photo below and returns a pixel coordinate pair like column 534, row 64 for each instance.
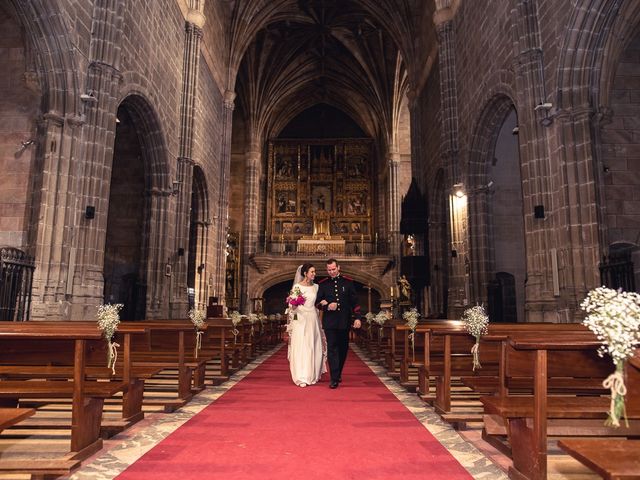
column 196, row 18
column 229, row 99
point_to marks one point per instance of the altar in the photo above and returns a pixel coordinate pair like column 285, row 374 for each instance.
column 321, row 246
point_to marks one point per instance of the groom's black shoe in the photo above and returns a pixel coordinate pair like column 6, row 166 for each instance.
column 333, row 384
column 340, row 380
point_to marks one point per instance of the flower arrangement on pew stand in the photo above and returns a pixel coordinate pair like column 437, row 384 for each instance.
column 294, row 299
column 381, row 317
column 197, row 318
column 253, row 319
column 369, row 318
column 411, row 317
column 614, row 317
column 477, row 323
column 108, row 321
column 236, row 319
column 262, row 318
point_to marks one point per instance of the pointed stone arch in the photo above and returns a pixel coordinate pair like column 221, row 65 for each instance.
column 156, row 247
column 198, row 259
column 480, row 190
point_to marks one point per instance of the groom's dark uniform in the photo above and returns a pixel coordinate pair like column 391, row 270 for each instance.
column 336, row 323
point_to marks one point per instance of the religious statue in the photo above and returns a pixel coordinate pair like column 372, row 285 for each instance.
column 405, row 289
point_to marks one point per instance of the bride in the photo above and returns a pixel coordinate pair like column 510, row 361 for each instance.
column 306, row 352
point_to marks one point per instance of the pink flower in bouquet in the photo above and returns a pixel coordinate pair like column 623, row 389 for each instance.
column 295, row 298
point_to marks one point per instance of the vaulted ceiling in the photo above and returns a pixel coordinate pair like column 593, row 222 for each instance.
column 356, row 55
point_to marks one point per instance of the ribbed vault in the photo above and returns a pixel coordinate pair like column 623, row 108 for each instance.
column 348, row 54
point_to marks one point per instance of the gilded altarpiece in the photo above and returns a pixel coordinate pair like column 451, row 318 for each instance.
column 320, row 190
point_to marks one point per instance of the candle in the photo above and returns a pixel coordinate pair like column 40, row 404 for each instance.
column 391, row 292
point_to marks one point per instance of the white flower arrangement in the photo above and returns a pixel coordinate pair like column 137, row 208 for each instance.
column 108, row 321
column 236, row 319
column 411, row 317
column 253, row 319
column 197, row 318
column 614, row 317
column 381, row 317
column 477, row 322
column 369, row 318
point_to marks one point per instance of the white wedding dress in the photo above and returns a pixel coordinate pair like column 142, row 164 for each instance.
column 306, row 346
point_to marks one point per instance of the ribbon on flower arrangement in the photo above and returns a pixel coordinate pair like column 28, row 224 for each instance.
column 113, row 356
column 198, row 342
column 475, row 351
column 412, row 338
column 617, row 409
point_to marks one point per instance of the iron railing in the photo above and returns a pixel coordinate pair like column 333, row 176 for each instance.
column 16, row 280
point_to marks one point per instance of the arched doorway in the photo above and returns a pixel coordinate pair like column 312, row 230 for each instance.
column 498, row 264
column 620, row 166
column 197, row 278
column 506, row 228
column 124, row 275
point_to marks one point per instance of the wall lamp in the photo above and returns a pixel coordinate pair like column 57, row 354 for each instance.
column 458, row 190
column 544, row 106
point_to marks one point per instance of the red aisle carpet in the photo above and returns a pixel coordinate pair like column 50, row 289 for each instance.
column 265, row 427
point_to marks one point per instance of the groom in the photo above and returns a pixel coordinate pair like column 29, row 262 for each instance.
column 337, row 299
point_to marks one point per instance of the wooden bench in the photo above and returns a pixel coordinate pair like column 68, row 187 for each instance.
column 614, row 459
column 11, row 416
column 450, row 355
column 25, row 344
column 40, row 367
column 570, row 356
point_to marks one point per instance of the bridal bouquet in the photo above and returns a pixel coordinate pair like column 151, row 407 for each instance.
column 108, row 320
column 614, row 316
column 197, row 318
column 477, row 321
column 294, row 300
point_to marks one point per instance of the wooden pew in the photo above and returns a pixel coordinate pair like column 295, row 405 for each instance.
column 132, row 375
column 614, row 459
column 450, row 355
column 11, row 416
column 419, row 358
column 26, row 343
column 547, row 357
column 170, row 344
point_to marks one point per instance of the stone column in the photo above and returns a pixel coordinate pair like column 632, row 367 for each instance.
column 222, row 220
column 394, row 206
column 458, row 272
column 56, row 201
column 540, row 294
column 184, row 176
column 79, row 284
column 573, row 179
column 250, row 228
